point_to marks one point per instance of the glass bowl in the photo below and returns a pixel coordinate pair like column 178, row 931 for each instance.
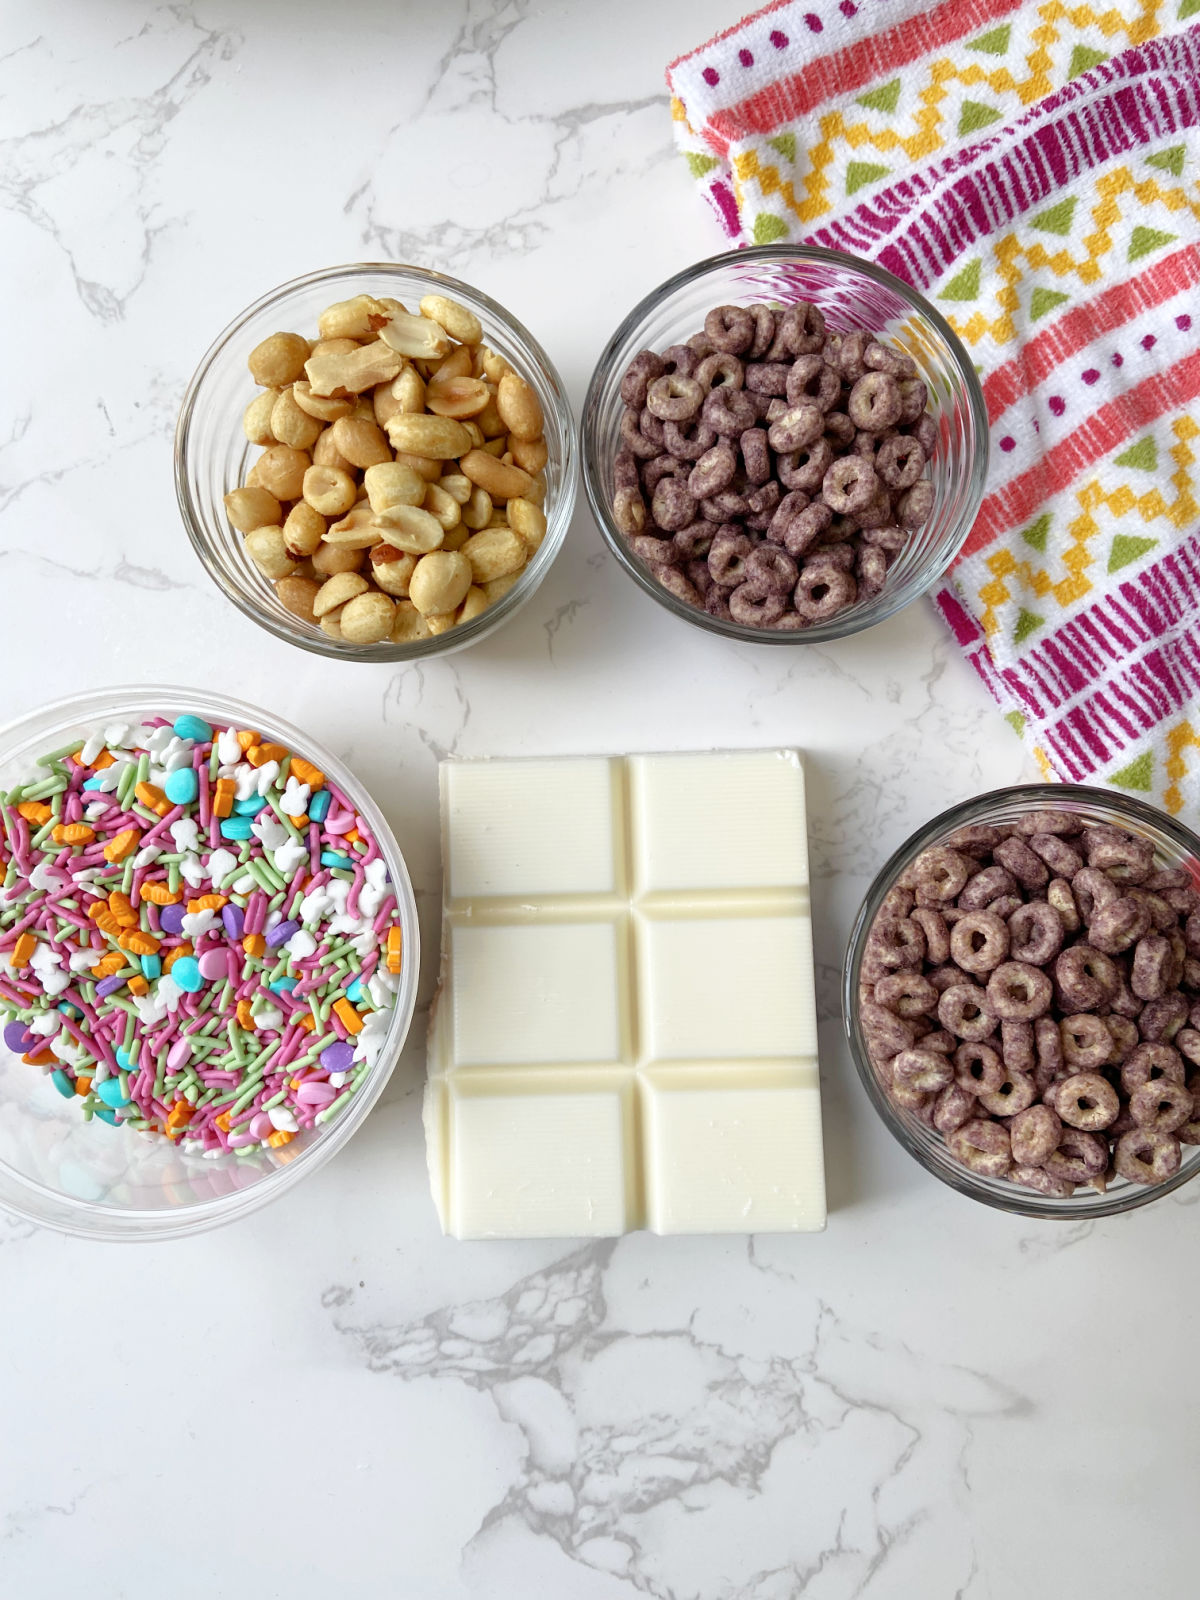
column 111, row 1183
column 1174, row 846
column 212, row 454
column 850, row 293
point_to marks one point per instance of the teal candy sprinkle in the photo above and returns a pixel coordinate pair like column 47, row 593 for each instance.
column 111, row 1092
column 181, row 787
column 152, row 967
column 63, row 1084
column 335, row 858
column 192, row 727
column 318, row 806
column 236, row 828
column 249, row 808
column 186, row 973
column 354, row 992
column 107, row 1115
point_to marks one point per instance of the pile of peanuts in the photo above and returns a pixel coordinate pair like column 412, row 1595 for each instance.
column 770, row 469
column 400, row 487
column 1032, row 993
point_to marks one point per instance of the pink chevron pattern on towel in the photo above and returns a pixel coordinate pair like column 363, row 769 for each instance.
column 1041, row 191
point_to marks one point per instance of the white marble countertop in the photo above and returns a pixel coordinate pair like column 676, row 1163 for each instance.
column 928, row 1400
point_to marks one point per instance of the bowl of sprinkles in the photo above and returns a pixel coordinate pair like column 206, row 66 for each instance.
column 208, row 960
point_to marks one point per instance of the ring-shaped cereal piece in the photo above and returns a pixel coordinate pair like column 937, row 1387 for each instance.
column 979, row 941
column 799, row 425
column 800, row 329
column 768, row 377
column 681, row 360
column 1163, row 1106
column 671, row 506
column 629, row 512
column 1035, row 1134
column 695, row 541
column 1163, row 915
column 900, row 461
column 923, row 1069
column 884, row 1031
column 1017, row 1046
column 940, row 872
column 674, row 398
column 1150, row 970
column 798, row 523
column 721, row 370
column 756, row 457
column 728, row 506
column 810, row 379
column 764, row 331
column 675, row 582
column 688, row 441
column 805, row 468
column 1047, row 1042
column 1086, row 1100
column 1187, row 1042
column 1091, row 889
column 1019, row 992
column 1161, row 1020
column 713, row 472
column 1119, row 855
column 1058, row 895
column 1042, row 1182
column 874, row 402
column 654, row 428
column 1085, row 976
column 924, row 430
column 639, row 374
column 771, row 566
column 871, row 572
column 1016, row 1093
column 1145, row 1156
column 983, row 1147
column 953, row 1106
column 727, row 558
column 822, row 591
column 879, row 357
column 1087, row 1043
column 914, row 505
column 985, row 886
column 839, row 429
column 1117, row 925
column 914, row 397
column 1027, row 868
column 1151, row 1063
column 730, row 411
column 1080, row 1156
column 730, row 328
column 1062, row 859
column 1124, row 1036
column 754, row 604
column 635, row 441
column 908, row 994
column 650, row 548
column 849, row 484
column 937, row 934
column 661, row 467
column 965, row 1011
column 1036, row 931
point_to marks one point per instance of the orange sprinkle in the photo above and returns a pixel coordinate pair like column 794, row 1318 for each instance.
column 244, row 1018
column 20, row 953
column 41, row 1058
column 254, row 944
column 159, row 894
column 122, row 845
column 350, row 1018
column 259, row 754
column 308, row 1022
column 208, row 902
column 177, row 954
column 120, row 907
column 108, row 965
column 178, row 1117
column 138, row 985
column 280, row 1137
column 75, row 833
column 104, row 759
column 153, row 798
column 304, row 772
column 395, row 949
column 245, row 738
column 83, row 1086
column 353, row 837
column 224, row 1121
column 105, row 921
column 34, row 811
column 141, row 944
column 223, row 796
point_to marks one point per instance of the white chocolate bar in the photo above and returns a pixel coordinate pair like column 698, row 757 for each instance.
column 625, row 1031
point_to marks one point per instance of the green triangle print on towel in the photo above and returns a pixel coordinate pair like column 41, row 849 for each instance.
column 1057, row 219
column 1035, row 534
column 1125, row 548
column 1028, row 622
column 994, row 42
column 1139, row 774
column 1143, row 454
column 768, row 228
column 975, row 115
column 1187, row 9
column 1043, row 300
column 885, row 98
column 1015, row 721
column 784, row 144
column 1169, row 160
column 698, row 165
column 860, row 172
column 1143, row 240
column 1084, row 58
column 963, row 285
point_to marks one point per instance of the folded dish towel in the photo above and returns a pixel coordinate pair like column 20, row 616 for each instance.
column 1042, row 192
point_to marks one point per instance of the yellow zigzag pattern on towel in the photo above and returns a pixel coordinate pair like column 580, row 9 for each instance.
column 1179, row 738
column 1091, row 497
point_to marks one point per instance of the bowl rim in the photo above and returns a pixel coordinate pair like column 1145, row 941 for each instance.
column 135, row 1225
column 318, row 643
column 859, row 619
column 1034, row 796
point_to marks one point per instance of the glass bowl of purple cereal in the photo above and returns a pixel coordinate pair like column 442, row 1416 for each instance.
column 59, row 1167
column 1106, row 1114
column 832, row 573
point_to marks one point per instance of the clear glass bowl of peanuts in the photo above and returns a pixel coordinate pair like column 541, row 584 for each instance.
column 1021, row 998
column 139, row 990
column 366, row 481
column 784, row 445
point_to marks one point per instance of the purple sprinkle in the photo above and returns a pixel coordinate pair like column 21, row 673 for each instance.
column 1183, row 323
column 17, row 1037
column 779, row 40
column 281, row 933
column 171, row 918
column 1057, row 404
column 1008, row 443
column 108, row 986
column 813, row 23
column 1091, row 375
column 745, row 58
column 1149, row 342
column 711, row 76
column 338, row 1057
column 234, row 919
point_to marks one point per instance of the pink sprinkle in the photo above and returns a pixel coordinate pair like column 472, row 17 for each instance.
column 745, row 58
column 1149, row 342
column 711, row 76
column 1057, row 404
column 338, row 1026
column 1183, row 323
column 779, row 40
column 813, row 23
column 1091, row 375
column 1008, row 443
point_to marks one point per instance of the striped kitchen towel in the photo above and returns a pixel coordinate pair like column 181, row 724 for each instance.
column 1042, row 192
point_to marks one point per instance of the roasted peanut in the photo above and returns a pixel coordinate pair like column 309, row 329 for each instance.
column 475, row 602
column 411, row 528
column 331, row 624
column 326, row 408
column 529, row 520
column 252, row 508
column 429, row 469
column 458, row 322
column 440, row 582
column 356, row 370
column 477, row 512
column 494, row 364
column 458, row 486
column 256, row 419
column 303, row 529
column 441, row 505
column 490, row 423
column 391, row 483
column 328, row 490
column 416, row 337
column 357, row 530
column 442, row 624
column 392, row 569
column 326, row 454
column 368, row 618
column 501, row 481
column 437, row 437
column 266, row 548
column 408, row 624
column 361, row 442
column 457, row 397
column 529, row 454
column 460, row 363
column 330, row 558
column 499, row 587
column 518, row 404
column 494, row 553
column 456, row 537
column 358, row 318
column 296, row 595
column 337, row 591
column 278, row 360
column 292, row 426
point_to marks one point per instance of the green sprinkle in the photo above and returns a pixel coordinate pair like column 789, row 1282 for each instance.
column 333, row 1109
column 174, row 876
column 143, row 768
column 126, row 784
column 52, row 756
column 235, row 1044
column 264, row 876
column 275, row 1100
column 47, row 787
